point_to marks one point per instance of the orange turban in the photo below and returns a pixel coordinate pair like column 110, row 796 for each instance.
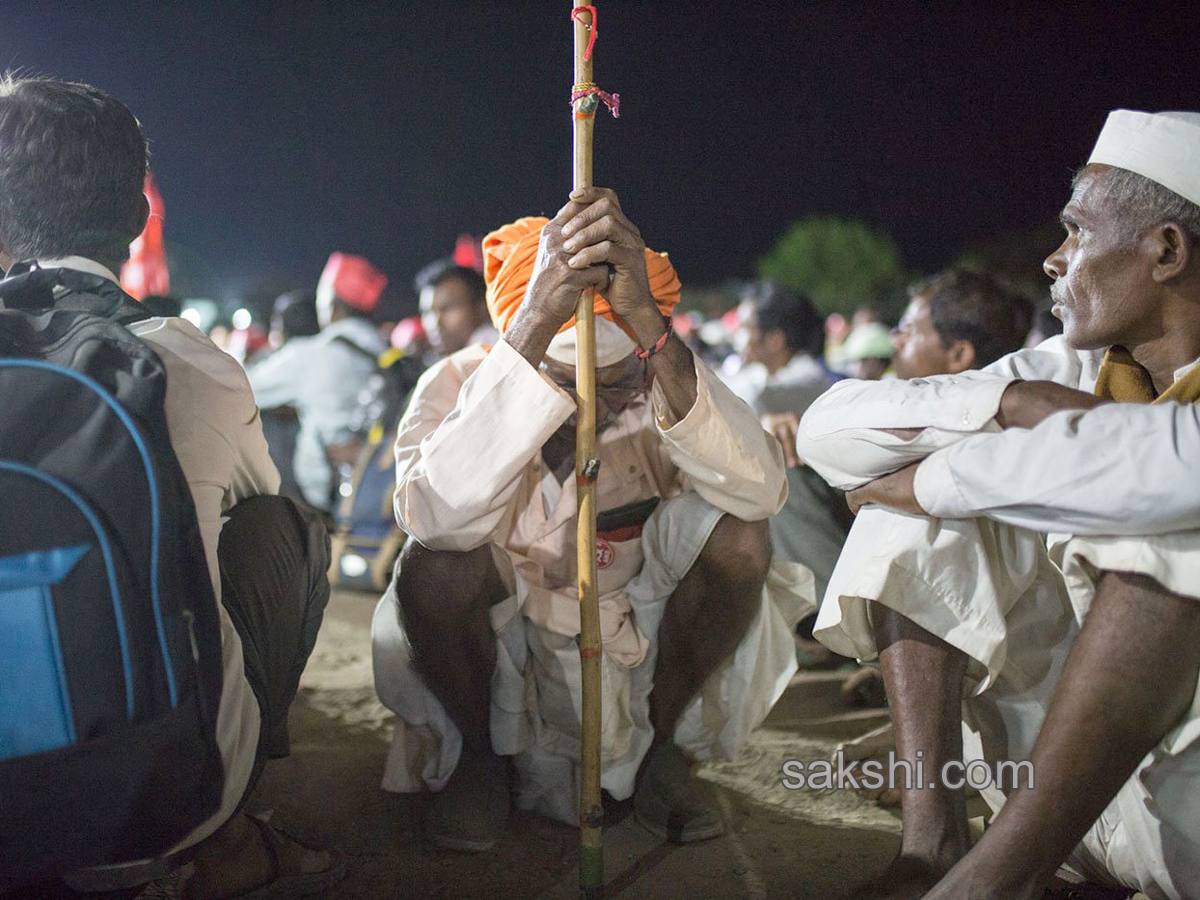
column 508, row 256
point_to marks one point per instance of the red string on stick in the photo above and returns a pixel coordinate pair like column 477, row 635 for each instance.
column 592, row 27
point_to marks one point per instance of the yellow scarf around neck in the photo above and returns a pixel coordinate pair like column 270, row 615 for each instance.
column 1124, row 380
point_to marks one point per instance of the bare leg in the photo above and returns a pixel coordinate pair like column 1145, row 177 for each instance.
column 444, row 600
column 923, row 676
column 707, row 616
column 704, row 621
column 1130, row 677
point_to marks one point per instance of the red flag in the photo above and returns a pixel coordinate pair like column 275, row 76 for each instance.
column 468, row 252
column 146, row 272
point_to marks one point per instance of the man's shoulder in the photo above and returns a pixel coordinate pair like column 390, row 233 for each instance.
column 458, row 366
column 356, row 336
column 1052, row 360
column 188, row 355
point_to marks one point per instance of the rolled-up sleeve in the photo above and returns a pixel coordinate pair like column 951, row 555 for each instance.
column 1120, row 469
column 722, row 449
column 464, row 442
column 841, row 435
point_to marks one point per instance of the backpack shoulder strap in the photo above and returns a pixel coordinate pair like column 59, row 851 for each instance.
column 363, row 351
column 28, row 288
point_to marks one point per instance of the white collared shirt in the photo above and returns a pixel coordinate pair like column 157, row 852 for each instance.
column 790, row 389
column 1122, row 468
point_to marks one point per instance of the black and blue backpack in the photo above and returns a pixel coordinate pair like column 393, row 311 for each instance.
column 110, row 648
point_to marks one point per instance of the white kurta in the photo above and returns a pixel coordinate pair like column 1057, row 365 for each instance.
column 1009, row 597
column 470, row 473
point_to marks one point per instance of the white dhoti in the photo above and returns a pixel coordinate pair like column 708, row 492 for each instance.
column 994, row 592
column 536, row 687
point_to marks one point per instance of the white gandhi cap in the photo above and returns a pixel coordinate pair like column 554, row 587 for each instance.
column 1164, row 147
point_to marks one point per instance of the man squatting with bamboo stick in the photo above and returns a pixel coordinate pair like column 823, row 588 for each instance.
column 475, row 642
column 1038, row 581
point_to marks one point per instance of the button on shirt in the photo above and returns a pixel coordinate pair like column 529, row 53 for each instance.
column 321, row 376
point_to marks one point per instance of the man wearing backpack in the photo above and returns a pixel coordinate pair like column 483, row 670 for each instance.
column 72, row 164
column 322, row 375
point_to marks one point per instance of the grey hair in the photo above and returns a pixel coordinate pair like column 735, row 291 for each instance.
column 1143, row 204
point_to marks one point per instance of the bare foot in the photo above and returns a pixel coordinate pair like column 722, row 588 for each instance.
column 236, row 860
column 971, row 880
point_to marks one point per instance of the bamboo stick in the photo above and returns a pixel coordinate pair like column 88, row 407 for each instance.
column 591, row 811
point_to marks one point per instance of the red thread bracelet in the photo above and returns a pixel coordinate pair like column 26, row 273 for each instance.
column 659, row 344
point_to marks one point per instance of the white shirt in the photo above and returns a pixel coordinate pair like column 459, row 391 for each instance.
column 791, row 388
column 321, row 376
column 469, row 471
column 839, row 435
column 1044, row 478
column 215, row 431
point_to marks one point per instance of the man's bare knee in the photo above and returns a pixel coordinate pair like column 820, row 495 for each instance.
column 432, row 584
column 738, row 553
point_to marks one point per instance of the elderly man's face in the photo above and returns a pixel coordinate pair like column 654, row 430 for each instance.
column 618, row 387
column 1103, row 290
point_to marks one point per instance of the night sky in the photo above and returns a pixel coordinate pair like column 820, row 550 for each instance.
column 282, row 131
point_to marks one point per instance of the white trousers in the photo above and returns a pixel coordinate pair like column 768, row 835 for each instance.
column 535, row 690
column 1014, row 608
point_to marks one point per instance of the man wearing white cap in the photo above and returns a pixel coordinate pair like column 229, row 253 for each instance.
column 474, row 644
column 1086, row 643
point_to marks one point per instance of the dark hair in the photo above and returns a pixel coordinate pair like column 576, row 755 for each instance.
column 297, row 313
column 72, row 167
column 970, row 306
column 445, row 269
column 780, row 308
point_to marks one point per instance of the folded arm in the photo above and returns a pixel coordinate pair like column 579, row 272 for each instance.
column 464, row 443
column 1119, row 469
column 858, row 431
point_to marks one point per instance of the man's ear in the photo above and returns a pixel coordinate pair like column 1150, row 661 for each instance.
column 143, row 215
column 960, row 356
column 1172, row 249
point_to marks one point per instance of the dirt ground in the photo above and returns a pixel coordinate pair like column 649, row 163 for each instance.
column 779, row 843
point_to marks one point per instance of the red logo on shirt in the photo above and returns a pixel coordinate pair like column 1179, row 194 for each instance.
column 604, row 554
